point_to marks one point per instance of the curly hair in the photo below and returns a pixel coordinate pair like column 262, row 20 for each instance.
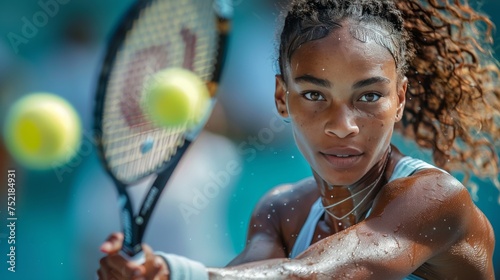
column 445, row 51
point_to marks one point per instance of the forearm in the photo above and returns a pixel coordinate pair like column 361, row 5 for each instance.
column 344, row 256
column 269, row 269
column 307, row 268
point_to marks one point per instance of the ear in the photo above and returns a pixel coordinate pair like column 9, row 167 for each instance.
column 280, row 96
column 403, row 86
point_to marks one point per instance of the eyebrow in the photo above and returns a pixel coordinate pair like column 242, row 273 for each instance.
column 313, row 80
column 370, row 81
column 325, row 83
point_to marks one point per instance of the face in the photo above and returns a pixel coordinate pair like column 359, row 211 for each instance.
column 343, row 98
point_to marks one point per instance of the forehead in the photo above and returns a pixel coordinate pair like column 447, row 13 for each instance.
column 339, row 52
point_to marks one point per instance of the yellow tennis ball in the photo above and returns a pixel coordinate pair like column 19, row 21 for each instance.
column 175, row 97
column 42, row 131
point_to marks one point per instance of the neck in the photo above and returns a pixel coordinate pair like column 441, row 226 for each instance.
column 347, row 205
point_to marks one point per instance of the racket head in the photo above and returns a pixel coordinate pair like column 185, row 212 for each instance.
column 154, row 35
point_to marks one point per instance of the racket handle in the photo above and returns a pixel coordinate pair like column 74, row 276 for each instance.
column 138, row 258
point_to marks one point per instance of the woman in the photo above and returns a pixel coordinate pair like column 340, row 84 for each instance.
column 350, row 72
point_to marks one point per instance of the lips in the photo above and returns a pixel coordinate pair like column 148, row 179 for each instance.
column 342, row 157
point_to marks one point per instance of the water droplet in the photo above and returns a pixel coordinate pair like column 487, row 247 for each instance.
column 434, row 228
column 340, row 223
column 449, row 228
column 444, row 220
column 284, row 204
column 269, row 216
column 293, row 208
column 274, row 210
column 293, row 156
column 319, row 236
column 288, row 220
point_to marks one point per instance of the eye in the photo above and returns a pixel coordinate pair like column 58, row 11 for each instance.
column 370, row 97
column 313, row 96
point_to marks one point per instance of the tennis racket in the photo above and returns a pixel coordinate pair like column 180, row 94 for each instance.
column 153, row 35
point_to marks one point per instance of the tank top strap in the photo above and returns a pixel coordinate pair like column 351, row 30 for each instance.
column 306, row 233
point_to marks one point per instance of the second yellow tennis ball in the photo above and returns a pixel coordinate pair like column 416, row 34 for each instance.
column 175, row 97
column 42, row 131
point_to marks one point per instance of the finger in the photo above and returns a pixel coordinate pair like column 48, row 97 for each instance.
column 113, row 244
column 116, row 275
column 120, row 267
column 102, row 274
column 148, row 253
column 149, row 263
column 155, row 266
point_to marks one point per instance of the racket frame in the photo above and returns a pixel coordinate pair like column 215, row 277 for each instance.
column 134, row 226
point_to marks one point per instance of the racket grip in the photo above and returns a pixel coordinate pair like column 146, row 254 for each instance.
column 138, row 258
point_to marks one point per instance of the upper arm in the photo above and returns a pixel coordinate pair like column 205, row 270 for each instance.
column 413, row 219
column 264, row 240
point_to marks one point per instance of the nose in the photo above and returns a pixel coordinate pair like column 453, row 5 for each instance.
column 341, row 122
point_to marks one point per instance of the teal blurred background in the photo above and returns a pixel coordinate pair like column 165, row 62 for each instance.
column 64, row 214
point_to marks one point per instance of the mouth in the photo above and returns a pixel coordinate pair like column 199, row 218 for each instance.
column 342, row 158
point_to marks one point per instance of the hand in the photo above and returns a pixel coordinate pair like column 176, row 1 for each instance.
column 115, row 266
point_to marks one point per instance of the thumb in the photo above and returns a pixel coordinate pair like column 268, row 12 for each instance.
column 156, row 267
column 113, row 244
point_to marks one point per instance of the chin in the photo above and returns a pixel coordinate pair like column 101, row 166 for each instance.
column 340, row 178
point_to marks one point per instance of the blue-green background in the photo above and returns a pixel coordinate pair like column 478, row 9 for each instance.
column 63, row 219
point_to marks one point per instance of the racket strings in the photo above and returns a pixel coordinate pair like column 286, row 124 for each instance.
column 133, row 146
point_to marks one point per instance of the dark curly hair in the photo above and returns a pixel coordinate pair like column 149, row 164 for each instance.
column 444, row 49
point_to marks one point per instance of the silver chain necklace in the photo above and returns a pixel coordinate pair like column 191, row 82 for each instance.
column 371, row 187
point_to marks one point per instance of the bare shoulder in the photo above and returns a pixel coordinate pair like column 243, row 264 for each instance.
column 267, row 230
column 432, row 192
column 426, row 190
column 284, row 206
column 298, row 193
column 434, row 209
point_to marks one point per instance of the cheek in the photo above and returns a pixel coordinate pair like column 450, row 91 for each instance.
column 384, row 113
column 303, row 136
column 379, row 123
